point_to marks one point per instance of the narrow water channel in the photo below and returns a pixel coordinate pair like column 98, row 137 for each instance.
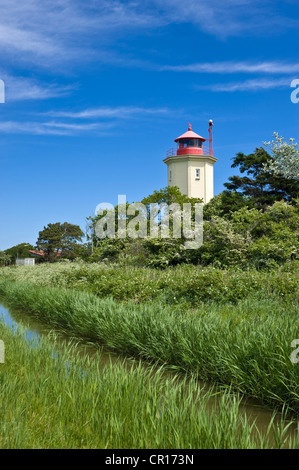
column 34, row 329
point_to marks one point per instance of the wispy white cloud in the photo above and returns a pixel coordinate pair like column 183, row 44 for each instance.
column 120, row 112
column 229, row 17
column 51, row 32
column 50, row 128
column 74, row 127
column 59, row 31
column 102, row 120
column 23, row 88
column 230, row 67
column 18, row 127
column 248, row 85
column 14, row 38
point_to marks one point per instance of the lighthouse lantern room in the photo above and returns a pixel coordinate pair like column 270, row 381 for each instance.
column 191, row 165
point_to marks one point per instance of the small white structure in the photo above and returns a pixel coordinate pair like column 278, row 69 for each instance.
column 191, row 165
column 25, row 261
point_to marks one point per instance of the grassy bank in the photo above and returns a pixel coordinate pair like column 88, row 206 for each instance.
column 246, row 345
column 183, row 284
column 65, row 402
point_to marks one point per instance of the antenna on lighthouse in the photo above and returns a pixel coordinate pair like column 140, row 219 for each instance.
column 211, row 137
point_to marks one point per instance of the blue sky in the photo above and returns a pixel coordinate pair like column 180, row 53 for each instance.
column 96, row 92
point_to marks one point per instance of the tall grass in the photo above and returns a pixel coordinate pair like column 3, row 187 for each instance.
column 246, row 346
column 62, row 400
column 182, row 284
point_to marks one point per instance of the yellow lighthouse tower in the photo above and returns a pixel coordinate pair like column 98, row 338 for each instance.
column 191, row 165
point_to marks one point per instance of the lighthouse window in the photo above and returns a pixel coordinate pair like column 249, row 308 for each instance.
column 191, row 143
column 169, row 175
column 197, row 174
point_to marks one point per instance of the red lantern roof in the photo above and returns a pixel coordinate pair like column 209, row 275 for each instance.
column 190, row 135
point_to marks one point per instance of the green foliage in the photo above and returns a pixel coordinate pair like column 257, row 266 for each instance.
column 225, row 203
column 262, row 239
column 240, row 228
column 258, row 184
column 146, row 251
column 169, row 195
column 184, row 283
column 5, row 259
column 117, row 249
column 223, row 245
column 59, row 240
column 19, row 251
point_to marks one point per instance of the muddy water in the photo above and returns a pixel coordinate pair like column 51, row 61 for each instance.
column 254, row 411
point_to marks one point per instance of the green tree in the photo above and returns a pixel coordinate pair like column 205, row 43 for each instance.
column 5, row 259
column 19, row 251
column 262, row 187
column 225, row 203
column 161, row 251
column 60, row 240
column 169, row 195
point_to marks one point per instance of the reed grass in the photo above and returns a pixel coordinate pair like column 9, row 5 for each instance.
column 62, row 400
column 246, row 345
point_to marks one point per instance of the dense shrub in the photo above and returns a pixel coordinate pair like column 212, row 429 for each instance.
column 244, row 237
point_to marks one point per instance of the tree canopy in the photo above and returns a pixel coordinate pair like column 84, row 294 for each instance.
column 169, row 195
column 59, row 240
column 19, row 251
column 261, row 186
